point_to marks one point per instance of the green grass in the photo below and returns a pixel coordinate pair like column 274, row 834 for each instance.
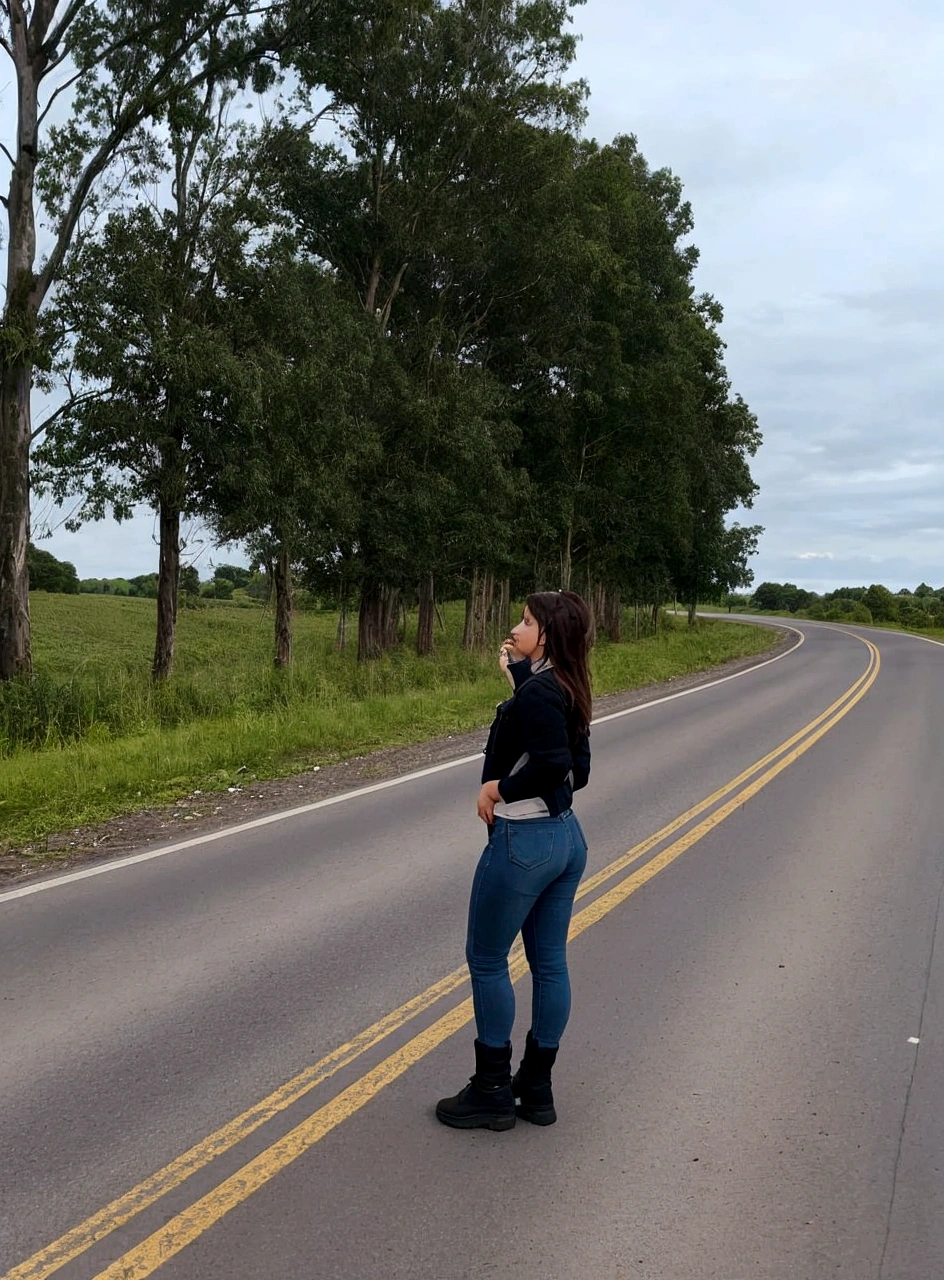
column 933, row 633
column 90, row 738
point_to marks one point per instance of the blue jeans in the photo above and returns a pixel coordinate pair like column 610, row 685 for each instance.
column 526, row 880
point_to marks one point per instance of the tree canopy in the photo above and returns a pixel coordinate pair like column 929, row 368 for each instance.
column 412, row 337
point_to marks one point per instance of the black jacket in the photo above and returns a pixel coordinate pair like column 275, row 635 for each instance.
column 538, row 722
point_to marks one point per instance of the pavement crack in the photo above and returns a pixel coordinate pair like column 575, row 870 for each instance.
column 914, row 1068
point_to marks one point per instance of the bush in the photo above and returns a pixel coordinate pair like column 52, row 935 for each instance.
column 914, row 616
column 881, row 603
column 46, row 573
column 189, row 581
column 845, row 593
column 768, row 597
column 848, row 611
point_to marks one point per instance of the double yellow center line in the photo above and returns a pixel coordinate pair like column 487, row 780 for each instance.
column 143, row 1259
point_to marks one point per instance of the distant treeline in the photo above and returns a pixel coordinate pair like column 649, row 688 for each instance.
column 923, row 607
column 47, row 573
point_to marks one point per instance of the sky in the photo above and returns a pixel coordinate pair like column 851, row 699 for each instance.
column 810, row 141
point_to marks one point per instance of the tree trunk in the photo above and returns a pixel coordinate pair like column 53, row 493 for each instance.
column 369, row 622
column 470, row 598
column 392, row 608
column 693, row 603
column 17, row 354
column 341, row 639
column 503, row 613
column 596, row 602
column 498, row 622
column 566, row 559
column 614, row 615
column 283, row 607
column 480, row 611
column 15, row 654
column 427, row 616
column 168, row 573
column 377, row 619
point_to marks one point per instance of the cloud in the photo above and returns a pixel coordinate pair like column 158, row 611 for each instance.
column 814, row 555
column 808, row 140
column 914, row 305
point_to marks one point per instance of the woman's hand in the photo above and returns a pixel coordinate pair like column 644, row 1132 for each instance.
column 489, row 796
column 507, row 653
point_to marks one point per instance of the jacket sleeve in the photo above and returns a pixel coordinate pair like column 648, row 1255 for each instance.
column 519, row 671
column 541, row 712
column 581, row 755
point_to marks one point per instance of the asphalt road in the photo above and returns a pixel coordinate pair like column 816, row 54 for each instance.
column 750, row 1088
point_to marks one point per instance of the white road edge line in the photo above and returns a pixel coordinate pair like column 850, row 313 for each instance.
column 70, row 877
column 911, row 636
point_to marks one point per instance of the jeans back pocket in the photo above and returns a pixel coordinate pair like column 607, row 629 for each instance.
column 532, row 842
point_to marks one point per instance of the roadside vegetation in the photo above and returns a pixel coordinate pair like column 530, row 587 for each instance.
column 92, row 736
column 920, row 610
column 349, row 288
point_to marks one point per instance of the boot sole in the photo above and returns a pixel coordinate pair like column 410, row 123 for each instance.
column 537, row 1115
column 497, row 1123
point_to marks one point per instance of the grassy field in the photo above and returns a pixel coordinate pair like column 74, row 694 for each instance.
column 90, row 738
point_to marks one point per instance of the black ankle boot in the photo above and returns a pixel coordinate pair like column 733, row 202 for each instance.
column 487, row 1101
column 532, row 1084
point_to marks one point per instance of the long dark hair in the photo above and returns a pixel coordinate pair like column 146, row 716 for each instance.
column 565, row 619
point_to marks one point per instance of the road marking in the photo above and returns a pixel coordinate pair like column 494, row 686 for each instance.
column 603, row 905
column 121, row 1210
column 677, row 823
column 911, row 636
column 914, row 1040
column 712, row 684
column 187, row 1226
column 70, row 877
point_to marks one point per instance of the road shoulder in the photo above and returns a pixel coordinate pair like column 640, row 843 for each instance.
column 201, row 812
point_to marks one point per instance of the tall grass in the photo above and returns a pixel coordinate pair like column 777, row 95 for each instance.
column 90, row 737
column 93, row 656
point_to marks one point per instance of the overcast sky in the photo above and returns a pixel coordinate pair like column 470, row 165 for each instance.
column 809, row 139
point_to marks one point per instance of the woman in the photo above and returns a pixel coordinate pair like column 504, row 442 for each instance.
column 538, row 754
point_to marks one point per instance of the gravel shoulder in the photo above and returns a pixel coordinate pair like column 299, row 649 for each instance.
column 207, row 811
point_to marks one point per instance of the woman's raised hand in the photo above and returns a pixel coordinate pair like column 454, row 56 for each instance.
column 507, row 653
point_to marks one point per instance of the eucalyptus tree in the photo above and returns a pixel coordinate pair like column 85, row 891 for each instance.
column 720, row 436
column 588, row 340
column 437, row 495
column 490, row 288
column 633, row 445
column 282, row 477
column 162, row 382
column 414, row 92
column 414, row 86
column 112, row 67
